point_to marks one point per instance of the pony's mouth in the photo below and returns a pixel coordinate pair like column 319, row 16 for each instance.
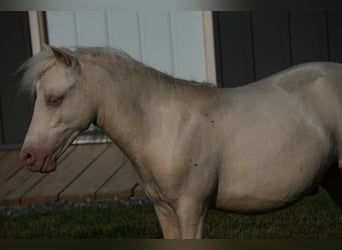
column 49, row 165
column 46, row 165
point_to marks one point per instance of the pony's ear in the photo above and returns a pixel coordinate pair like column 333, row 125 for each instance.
column 64, row 56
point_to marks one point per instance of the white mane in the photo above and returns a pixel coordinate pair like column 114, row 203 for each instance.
column 109, row 58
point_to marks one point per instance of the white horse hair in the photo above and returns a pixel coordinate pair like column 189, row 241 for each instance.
column 249, row 149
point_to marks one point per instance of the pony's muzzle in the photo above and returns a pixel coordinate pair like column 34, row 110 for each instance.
column 37, row 160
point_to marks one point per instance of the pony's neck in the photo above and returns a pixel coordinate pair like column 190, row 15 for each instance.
column 128, row 101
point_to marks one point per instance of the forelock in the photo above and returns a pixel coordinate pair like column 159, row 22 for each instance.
column 34, row 68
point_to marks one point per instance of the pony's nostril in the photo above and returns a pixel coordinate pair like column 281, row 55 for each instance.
column 28, row 157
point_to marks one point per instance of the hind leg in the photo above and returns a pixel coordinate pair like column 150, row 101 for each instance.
column 332, row 183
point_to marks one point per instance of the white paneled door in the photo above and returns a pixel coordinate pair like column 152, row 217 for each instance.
column 171, row 41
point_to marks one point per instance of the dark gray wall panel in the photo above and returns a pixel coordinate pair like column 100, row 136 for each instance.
column 253, row 45
column 15, row 48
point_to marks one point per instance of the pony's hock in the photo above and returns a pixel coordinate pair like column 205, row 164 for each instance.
column 257, row 148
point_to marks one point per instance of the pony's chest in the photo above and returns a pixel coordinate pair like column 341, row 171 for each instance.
column 148, row 182
column 159, row 184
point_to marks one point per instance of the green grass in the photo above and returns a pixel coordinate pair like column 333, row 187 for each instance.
column 314, row 217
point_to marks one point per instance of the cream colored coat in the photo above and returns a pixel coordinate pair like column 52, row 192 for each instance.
column 249, row 149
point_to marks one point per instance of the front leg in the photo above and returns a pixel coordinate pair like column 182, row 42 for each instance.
column 166, row 214
column 191, row 214
column 185, row 223
column 168, row 221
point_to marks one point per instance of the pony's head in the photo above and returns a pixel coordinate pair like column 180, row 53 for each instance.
column 62, row 107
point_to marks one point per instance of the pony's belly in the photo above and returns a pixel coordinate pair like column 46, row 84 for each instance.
column 248, row 204
column 270, row 190
column 259, row 177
